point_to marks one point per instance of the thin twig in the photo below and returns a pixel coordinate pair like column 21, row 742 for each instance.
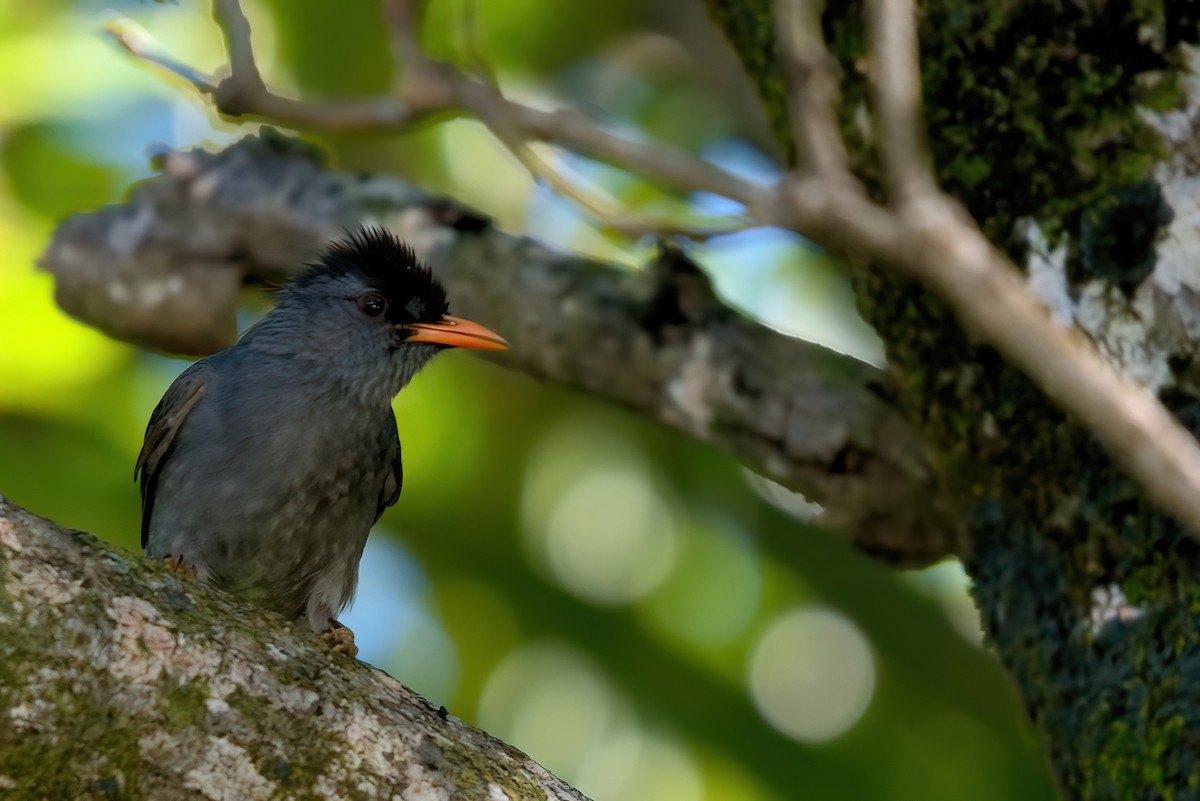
column 436, row 87
column 236, row 28
column 140, row 44
column 472, row 51
column 504, row 119
column 931, row 239
column 814, row 90
column 896, row 96
column 611, row 215
column 401, row 19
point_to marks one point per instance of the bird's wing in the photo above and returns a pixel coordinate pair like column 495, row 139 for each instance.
column 389, row 493
column 164, row 424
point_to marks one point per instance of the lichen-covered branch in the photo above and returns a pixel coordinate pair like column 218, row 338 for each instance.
column 164, row 270
column 121, row 680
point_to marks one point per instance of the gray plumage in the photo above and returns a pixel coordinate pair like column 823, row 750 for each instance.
column 265, row 465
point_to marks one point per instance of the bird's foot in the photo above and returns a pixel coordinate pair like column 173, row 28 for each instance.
column 341, row 638
column 178, row 566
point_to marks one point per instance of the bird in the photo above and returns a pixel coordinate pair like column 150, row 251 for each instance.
column 265, row 465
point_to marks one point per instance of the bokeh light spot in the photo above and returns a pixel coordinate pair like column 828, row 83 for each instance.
column 710, row 596
column 549, row 701
column 595, row 518
column 46, row 356
column 812, row 674
column 637, row 766
column 609, row 539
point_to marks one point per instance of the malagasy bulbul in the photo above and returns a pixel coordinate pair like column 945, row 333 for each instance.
column 265, row 465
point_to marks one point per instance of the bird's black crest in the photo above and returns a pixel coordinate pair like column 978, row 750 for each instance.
column 380, row 260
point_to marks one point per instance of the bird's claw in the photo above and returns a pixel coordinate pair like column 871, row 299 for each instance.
column 179, row 566
column 341, row 638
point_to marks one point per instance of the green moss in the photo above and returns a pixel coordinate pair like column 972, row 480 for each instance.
column 40, row 768
column 1133, row 765
column 1032, row 111
column 92, row 755
column 297, row 763
column 186, row 704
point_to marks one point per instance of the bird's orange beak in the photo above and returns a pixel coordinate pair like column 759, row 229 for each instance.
column 455, row 332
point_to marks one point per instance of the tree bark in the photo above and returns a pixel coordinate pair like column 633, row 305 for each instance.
column 119, row 679
column 1068, row 132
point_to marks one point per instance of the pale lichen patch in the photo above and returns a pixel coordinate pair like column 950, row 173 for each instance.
column 8, row 536
column 30, row 716
column 690, row 388
column 327, row 787
column 1109, row 605
column 226, row 773
column 1121, row 326
column 496, row 793
column 49, row 585
column 1048, row 274
column 235, row 676
column 1177, row 257
column 424, row 785
column 144, row 643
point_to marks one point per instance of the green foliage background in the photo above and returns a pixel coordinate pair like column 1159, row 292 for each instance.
column 631, row 689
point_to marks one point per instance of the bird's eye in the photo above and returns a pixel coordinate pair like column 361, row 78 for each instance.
column 372, row 304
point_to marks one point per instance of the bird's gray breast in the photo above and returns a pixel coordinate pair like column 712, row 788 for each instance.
column 273, row 488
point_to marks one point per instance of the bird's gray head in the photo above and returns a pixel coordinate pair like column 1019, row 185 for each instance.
column 371, row 311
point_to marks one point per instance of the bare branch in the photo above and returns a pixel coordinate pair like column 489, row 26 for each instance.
column 236, row 28
column 141, row 45
column 930, row 239
column 953, row 258
column 939, row 245
column 814, row 90
column 401, row 19
column 515, row 125
column 431, row 86
column 895, row 78
column 611, row 215
column 933, row 240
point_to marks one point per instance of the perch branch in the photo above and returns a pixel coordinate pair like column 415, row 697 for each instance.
column 189, row 692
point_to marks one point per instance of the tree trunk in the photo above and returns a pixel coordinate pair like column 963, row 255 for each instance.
column 1067, row 131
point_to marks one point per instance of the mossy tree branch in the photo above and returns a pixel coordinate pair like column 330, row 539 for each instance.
column 119, row 679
